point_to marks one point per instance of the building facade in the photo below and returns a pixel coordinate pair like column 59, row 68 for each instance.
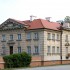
column 40, row 38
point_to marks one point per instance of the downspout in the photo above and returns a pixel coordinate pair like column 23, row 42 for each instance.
column 61, row 29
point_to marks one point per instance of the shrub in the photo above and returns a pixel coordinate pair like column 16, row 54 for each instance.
column 17, row 60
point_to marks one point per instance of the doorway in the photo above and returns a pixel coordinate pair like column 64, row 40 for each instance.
column 11, row 49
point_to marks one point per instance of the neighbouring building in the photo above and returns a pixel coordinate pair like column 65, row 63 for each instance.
column 48, row 42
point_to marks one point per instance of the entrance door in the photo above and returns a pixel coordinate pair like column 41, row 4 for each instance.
column 11, row 49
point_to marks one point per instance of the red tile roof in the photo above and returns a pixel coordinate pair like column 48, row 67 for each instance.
column 40, row 23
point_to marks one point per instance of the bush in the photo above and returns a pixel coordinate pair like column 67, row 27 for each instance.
column 17, row 60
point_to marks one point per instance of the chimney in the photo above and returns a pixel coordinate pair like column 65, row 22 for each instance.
column 48, row 18
column 32, row 17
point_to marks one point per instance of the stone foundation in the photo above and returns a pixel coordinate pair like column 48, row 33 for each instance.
column 47, row 63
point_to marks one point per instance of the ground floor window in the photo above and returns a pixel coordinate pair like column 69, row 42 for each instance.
column 3, row 50
column 19, row 49
column 29, row 49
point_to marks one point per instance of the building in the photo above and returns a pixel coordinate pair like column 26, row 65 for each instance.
column 47, row 42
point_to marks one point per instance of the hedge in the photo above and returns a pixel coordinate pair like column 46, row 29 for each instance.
column 17, row 60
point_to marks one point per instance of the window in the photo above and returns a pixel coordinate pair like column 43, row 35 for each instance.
column 28, row 49
column 66, row 38
column 3, row 50
column 19, row 49
column 11, row 37
column 19, row 36
column 49, row 36
column 49, row 49
column 53, row 36
column 58, row 37
column 53, row 49
column 36, row 49
column 66, row 50
column 3, row 37
column 29, row 35
column 36, row 35
column 58, row 50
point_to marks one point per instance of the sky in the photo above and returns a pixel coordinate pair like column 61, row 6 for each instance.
column 22, row 9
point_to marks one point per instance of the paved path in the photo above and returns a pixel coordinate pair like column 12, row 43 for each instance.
column 62, row 67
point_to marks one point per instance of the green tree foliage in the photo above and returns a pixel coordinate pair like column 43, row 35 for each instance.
column 17, row 60
column 67, row 19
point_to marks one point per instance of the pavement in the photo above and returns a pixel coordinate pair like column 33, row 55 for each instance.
column 60, row 67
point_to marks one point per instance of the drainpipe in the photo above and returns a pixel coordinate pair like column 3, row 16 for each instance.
column 61, row 28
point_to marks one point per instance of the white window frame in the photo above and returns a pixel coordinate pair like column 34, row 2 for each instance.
column 29, row 49
column 49, row 36
column 53, row 49
column 28, row 36
column 53, row 36
column 19, row 49
column 11, row 37
column 36, row 49
column 48, row 49
column 19, row 36
column 3, row 37
column 36, row 35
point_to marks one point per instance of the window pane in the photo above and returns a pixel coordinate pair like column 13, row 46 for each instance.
column 11, row 37
column 19, row 49
column 35, row 35
column 19, row 36
column 58, row 50
column 53, row 49
column 3, row 50
column 53, row 36
column 49, row 36
column 3, row 37
column 49, row 49
column 28, row 35
column 57, row 36
column 29, row 49
column 36, row 49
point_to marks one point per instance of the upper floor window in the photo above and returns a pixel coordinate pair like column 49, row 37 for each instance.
column 19, row 36
column 19, row 49
column 3, row 37
column 29, row 49
column 49, row 36
column 49, row 49
column 53, row 49
column 36, row 35
column 58, row 37
column 28, row 35
column 53, row 36
column 11, row 37
column 66, row 38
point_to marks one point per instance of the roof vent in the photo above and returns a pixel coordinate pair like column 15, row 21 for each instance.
column 32, row 17
column 48, row 18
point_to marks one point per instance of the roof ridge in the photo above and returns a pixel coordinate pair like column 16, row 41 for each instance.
column 42, row 23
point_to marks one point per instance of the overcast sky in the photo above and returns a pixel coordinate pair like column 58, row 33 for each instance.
column 22, row 9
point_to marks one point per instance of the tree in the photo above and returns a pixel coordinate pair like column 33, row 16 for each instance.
column 67, row 19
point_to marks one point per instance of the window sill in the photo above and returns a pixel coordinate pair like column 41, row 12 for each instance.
column 19, row 40
column 35, row 53
column 35, row 39
column 3, row 41
column 57, row 40
column 48, row 39
column 28, row 39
